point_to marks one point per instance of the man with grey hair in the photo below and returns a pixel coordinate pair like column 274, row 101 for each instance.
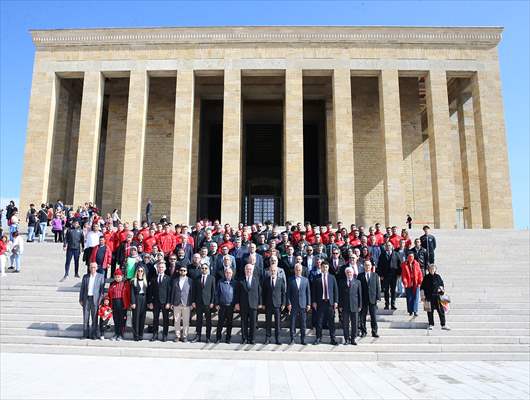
column 350, row 303
column 204, row 302
column 274, row 289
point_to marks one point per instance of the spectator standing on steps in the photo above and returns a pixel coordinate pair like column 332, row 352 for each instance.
column 428, row 242
column 432, row 288
column 74, row 241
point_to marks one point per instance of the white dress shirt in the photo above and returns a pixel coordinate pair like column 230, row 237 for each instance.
column 91, row 282
column 298, row 279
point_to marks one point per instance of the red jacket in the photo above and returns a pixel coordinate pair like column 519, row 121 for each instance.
column 355, row 242
column 109, row 240
column 228, row 244
column 3, row 247
column 395, row 239
column 148, row 243
column 106, row 259
column 166, row 242
column 105, row 312
column 411, row 279
column 380, row 238
column 121, row 291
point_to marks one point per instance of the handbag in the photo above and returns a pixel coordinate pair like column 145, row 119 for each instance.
column 427, row 306
column 445, row 298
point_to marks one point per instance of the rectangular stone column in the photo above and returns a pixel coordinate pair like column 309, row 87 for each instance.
column 442, row 175
column 89, row 132
column 182, row 148
column 38, row 150
column 342, row 141
column 331, row 163
column 231, row 182
column 293, row 147
column 133, row 158
column 195, row 159
column 495, row 189
column 390, row 119
column 468, row 155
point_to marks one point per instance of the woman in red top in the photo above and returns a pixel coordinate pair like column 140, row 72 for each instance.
column 411, row 276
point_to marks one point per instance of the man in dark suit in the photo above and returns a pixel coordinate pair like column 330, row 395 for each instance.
column 371, row 292
column 226, row 261
column 298, row 302
column 259, row 269
column 90, row 295
column 325, row 294
column 239, row 252
column 159, row 295
column 274, row 301
column 350, row 303
column 336, row 263
column 389, row 268
column 247, row 303
column 289, row 261
column 204, row 301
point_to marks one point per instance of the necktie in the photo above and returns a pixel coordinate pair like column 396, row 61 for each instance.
column 248, row 283
column 349, row 283
column 368, row 277
column 203, row 279
column 159, row 279
column 272, row 282
column 324, row 279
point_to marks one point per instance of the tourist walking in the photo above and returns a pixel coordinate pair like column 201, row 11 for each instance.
column 432, row 288
column 17, row 249
column 412, row 278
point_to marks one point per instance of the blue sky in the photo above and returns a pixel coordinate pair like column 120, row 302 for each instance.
column 16, row 53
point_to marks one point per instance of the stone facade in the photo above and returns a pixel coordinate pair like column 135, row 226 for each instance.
column 413, row 120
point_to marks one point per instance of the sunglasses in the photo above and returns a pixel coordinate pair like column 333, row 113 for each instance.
column 183, row 270
column 204, row 268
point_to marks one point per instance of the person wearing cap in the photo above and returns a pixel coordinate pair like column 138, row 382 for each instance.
column 428, row 242
column 119, row 296
column 139, row 302
column 182, row 292
column 412, row 278
column 159, row 295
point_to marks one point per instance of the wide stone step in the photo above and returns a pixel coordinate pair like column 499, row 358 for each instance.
column 385, row 336
column 259, row 352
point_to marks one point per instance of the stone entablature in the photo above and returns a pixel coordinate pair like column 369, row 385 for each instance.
column 484, row 37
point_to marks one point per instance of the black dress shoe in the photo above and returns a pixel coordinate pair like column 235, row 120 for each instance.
column 251, row 342
column 317, row 341
column 386, row 307
column 140, row 338
column 267, row 341
column 207, row 340
column 354, row 342
column 77, row 276
column 346, row 341
column 155, row 337
column 363, row 334
column 393, row 307
column 164, row 338
column 278, row 341
column 333, row 342
column 303, row 343
column 243, row 341
column 196, row 339
column 291, row 341
column 227, row 340
column 374, row 334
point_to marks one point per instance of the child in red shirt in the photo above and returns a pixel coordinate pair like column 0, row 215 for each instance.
column 105, row 314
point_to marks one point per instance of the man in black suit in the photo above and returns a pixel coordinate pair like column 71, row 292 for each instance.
column 350, row 303
column 159, row 295
column 389, row 268
column 259, row 269
column 336, row 264
column 239, row 252
column 325, row 300
column 204, row 302
column 298, row 302
column 289, row 261
column 371, row 292
column 247, row 303
column 274, row 301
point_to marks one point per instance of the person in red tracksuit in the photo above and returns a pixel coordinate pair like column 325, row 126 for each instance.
column 119, row 296
column 395, row 238
column 166, row 241
column 149, row 241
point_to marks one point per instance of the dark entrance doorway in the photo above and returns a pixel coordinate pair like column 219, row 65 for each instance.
column 262, row 173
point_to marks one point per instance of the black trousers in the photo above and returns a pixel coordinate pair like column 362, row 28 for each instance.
column 435, row 305
column 350, row 319
column 90, row 318
column 325, row 312
column 119, row 315
column 138, row 317
column 295, row 313
column 372, row 308
column 86, row 256
column 248, row 323
column 58, row 236
column 71, row 253
column 268, row 321
column 225, row 318
column 389, row 288
column 204, row 312
column 165, row 319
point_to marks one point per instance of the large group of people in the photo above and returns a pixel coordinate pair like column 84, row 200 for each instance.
column 306, row 273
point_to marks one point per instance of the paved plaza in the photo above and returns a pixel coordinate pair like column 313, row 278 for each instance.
column 61, row 377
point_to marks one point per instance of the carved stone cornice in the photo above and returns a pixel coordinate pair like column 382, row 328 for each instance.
column 485, row 37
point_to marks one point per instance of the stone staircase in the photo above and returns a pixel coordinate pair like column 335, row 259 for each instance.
column 486, row 273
